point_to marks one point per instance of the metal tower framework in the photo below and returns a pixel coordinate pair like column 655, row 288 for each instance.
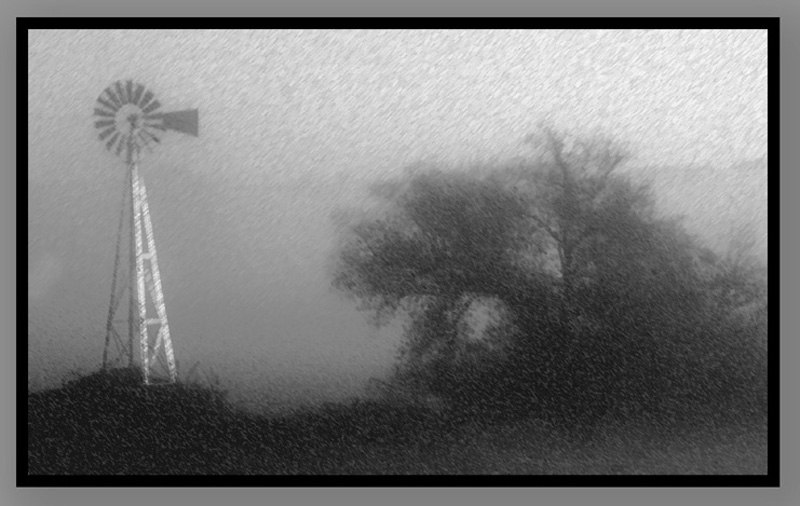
column 129, row 118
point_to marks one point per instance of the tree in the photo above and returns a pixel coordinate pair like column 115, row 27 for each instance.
column 733, row 351
column 629, row 300
column 451, row 239
column 446, row 241
column 572, row 197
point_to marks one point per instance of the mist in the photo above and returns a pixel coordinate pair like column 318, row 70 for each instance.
column 296, row 126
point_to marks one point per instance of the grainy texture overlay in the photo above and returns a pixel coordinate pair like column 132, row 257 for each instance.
column 397, row 252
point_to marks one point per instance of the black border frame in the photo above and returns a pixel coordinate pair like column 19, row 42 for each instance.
column 771, row 24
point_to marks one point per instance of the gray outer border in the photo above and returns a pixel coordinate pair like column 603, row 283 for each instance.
column 787, row 494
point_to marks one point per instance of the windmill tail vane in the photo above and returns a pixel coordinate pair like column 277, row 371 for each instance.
column 129, row 118
column 186, row 122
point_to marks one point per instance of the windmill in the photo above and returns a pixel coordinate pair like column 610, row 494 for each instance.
column 129, row 119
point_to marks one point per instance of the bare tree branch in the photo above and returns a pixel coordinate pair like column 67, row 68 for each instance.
column 544, row 225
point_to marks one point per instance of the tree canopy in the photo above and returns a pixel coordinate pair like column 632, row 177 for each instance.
column 595, row 299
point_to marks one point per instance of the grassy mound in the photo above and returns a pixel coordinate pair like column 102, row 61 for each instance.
column 110, row 423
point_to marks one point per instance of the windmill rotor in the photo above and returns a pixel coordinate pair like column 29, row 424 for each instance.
column 128, row 118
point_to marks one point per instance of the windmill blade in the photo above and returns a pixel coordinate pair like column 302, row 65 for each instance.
column 113, row 98
column 106, row 133
column 104, row 123
column 121, row 93
column 113, row 139
column 152, row 136
column 107, row 105
column 186, row 122
column 152, row 107
column 119, row 146
column 138, row 93
column 146, row 99
column 101, row 112
column 146, row 144
column 129, row 91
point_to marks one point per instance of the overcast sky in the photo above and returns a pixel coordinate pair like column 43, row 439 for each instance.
column 296, row 124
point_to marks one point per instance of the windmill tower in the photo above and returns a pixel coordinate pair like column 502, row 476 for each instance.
column 128, row 119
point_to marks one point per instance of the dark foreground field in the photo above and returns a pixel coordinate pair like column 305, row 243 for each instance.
column 107, row 424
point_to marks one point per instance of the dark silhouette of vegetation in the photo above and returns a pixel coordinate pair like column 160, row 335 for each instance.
column 601, row 307
column 108, row 423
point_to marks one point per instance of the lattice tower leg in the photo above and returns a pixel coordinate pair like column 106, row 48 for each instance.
column 148, row 280
column 163, row 340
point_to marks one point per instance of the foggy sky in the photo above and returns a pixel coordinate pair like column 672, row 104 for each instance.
column 295, row 125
